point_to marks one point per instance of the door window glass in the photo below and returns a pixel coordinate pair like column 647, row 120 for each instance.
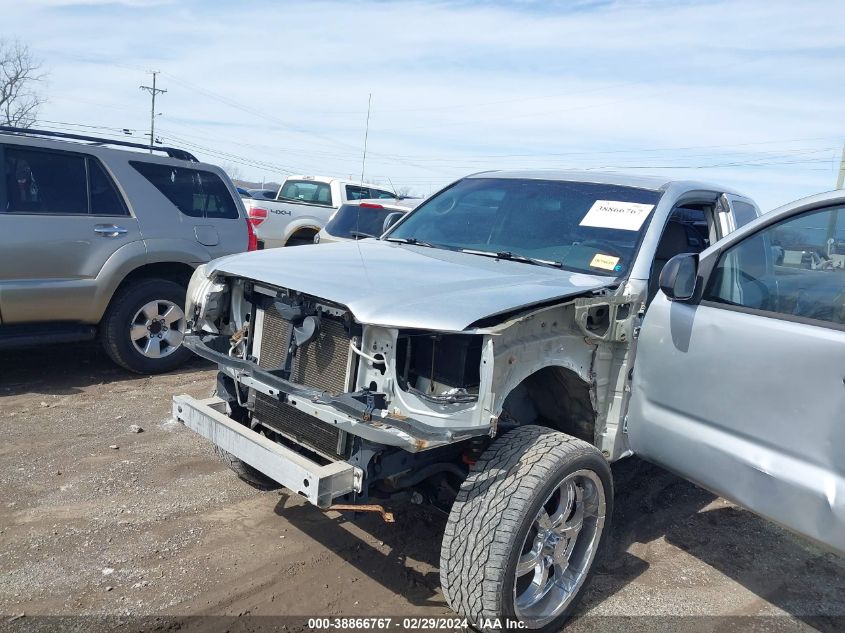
column 354, row 192
column 195, row 192
column 795, row 267
column 743, row 212
column 307, row 191
column 105, row 200
column 44, row 182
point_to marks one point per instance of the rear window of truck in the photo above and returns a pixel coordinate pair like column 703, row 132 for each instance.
column 356, row 221
column 307, row 191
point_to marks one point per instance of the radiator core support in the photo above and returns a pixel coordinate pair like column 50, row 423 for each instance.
column 324, row 363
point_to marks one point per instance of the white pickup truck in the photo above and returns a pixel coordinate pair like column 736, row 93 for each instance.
column 302, row 207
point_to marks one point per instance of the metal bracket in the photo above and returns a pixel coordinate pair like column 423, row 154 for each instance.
column 341, row 507
column 617, row 329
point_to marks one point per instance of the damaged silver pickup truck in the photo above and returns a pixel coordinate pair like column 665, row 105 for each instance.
column 480, row 357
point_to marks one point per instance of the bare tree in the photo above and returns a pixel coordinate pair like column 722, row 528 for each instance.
column 235, row 172
column 20, row 78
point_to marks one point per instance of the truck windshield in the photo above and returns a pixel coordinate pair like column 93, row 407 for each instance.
column 579, row 226
column 356, row 221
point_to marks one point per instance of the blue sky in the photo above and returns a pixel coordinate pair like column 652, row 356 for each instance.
column 749, row 94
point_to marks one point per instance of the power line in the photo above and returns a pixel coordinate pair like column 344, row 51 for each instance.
column 637, row 150
column 242, row 160
column 123, row 130
column 258, row 113
column 791, row 157
column 459, row 162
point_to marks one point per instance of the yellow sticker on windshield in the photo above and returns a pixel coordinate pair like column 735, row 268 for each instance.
column 604, row 261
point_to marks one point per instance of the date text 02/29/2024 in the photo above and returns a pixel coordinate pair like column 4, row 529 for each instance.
column 409, row 624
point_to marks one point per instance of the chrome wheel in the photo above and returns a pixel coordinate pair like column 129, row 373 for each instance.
column 158, row 328
column 559, row 548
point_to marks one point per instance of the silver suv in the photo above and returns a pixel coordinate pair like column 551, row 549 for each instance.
column 97, row 241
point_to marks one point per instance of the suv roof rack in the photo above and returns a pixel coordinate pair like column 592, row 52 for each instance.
column 172, row 152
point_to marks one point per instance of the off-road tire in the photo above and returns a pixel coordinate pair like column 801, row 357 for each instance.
column 115, row 326
column 494, row 510
column 245, row 472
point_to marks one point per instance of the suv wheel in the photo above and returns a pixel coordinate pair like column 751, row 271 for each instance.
column 525, row 529
column 143, row 328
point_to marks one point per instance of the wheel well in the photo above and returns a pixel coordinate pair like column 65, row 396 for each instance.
column 555, row 397
column 172, row 271
column 305, row 233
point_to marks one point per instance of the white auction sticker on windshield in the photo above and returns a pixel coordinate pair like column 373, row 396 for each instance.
column 612, row 214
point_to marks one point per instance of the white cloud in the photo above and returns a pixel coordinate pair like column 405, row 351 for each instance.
column 460, row 87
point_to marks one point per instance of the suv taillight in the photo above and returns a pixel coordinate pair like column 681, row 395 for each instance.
column 256, row 215
column 252, row 240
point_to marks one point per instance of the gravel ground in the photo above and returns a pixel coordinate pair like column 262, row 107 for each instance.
column 96, row 519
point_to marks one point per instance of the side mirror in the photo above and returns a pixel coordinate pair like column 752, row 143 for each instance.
column 391, row 219
column 677, row 279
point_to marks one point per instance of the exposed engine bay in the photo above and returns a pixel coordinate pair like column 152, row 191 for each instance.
column 406, row 406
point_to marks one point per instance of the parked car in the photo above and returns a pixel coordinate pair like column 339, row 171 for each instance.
column 365, row 218
column 259, row 194
column 302, row 207
column 263, row 194
column 101, row 242
column 507, row 340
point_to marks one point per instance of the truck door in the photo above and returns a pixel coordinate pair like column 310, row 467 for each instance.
column 61, row 218
column 741, row 387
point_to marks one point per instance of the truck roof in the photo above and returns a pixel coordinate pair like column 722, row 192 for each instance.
column 654, row 183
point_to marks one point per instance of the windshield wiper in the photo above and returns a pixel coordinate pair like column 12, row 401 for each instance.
column 409, row 240
column 357, row 234
column 514, row 257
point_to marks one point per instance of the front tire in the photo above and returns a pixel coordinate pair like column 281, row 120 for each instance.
column 525, row 529
column 143, row 328
column 245, row 472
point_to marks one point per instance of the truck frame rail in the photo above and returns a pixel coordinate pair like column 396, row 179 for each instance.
column 320, row 484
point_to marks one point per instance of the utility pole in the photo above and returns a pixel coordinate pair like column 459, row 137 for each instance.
column 840, row 180
column 153, row 92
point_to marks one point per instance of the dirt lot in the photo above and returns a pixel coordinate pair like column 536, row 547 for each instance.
column 159, row 526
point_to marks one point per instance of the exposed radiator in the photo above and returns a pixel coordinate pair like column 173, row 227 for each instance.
column 321, row 364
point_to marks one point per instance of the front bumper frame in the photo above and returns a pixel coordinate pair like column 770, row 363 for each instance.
column 320, row 484
column 344, row 411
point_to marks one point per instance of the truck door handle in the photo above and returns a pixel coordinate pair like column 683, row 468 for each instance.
column 110, row 230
